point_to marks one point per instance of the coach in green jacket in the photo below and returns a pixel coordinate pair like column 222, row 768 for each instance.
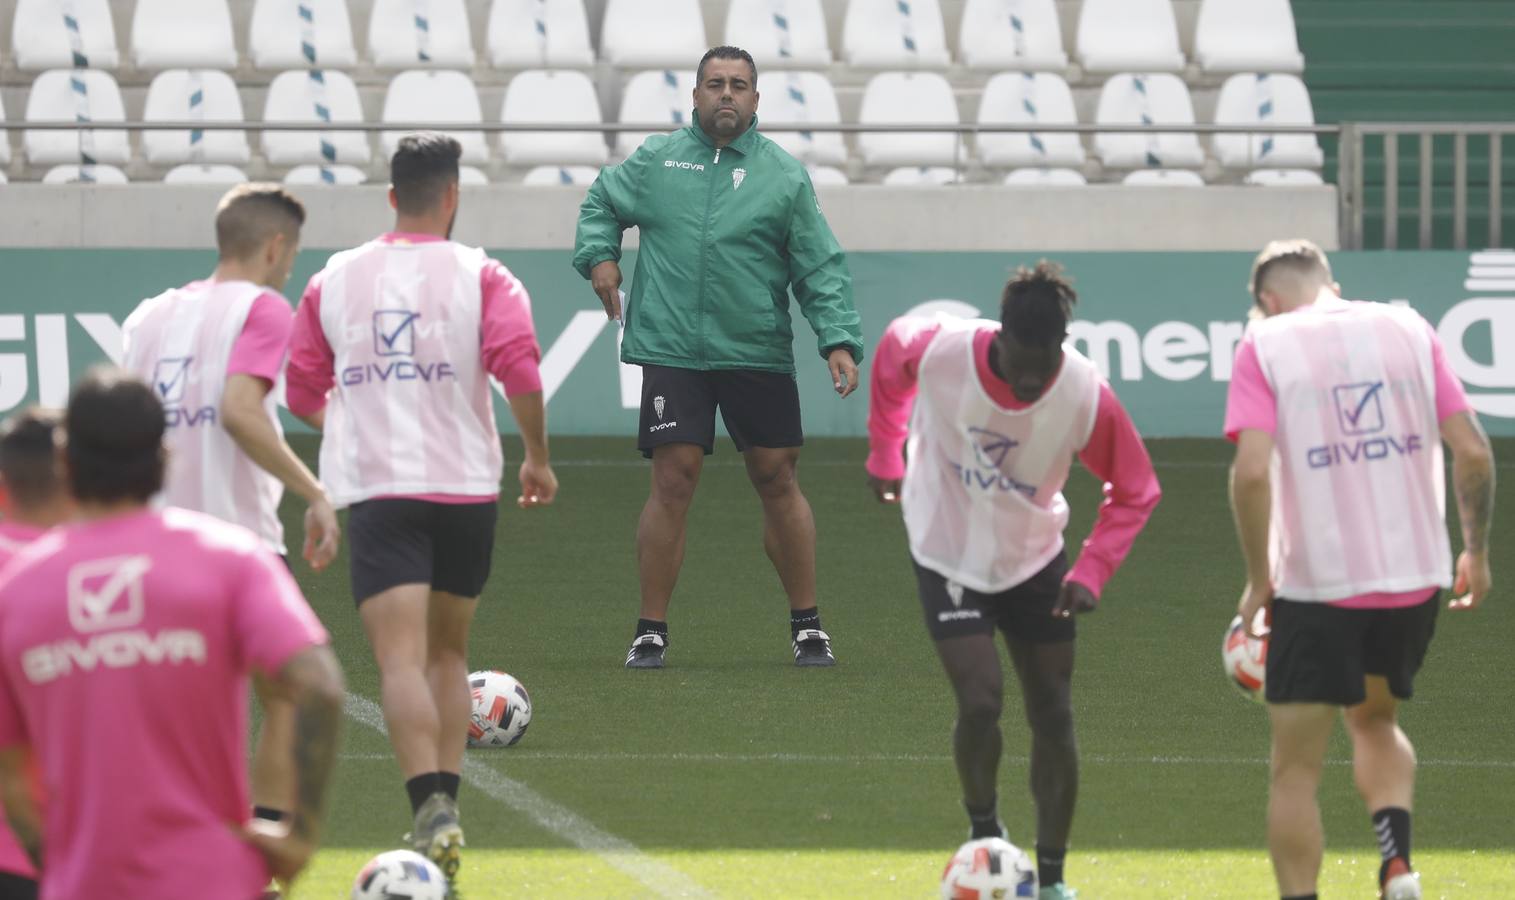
column 729, row 225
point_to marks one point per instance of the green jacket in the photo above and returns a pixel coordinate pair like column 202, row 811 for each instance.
column 725, row 234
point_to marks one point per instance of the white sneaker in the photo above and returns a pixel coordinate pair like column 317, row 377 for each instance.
column 1403, row 887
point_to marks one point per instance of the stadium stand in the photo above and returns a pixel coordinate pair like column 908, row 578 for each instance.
column 192, row 173
column 405, row 35
column 654, row 97
column 1046, row 178
column 1146, row 99
column 68, row 95
column 543, row 96
column 922, row 176
column 435, row 96
column 527, row 34
column 181, row 95
column 1128, row 36
column 1263, row 99
column 1247, row 36
column 791, row 34
column 895, row 34
column 794, row 98
column 43, row 37
column 908, row 97
column 77, row 174
column 1012, row 34
column 1161, row 178
column 5, row 138
column 308, row 33
column 195, row 34
column 314, row 96
column 827, row 175
column 1024, row 98
column 325, row 175
column 558, row 176
column 1283, row 178
column 471, row 176
column 646, row 34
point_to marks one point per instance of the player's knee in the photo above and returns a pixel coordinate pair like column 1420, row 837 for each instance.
column 674, row 481
column 773, row 478
column 980, row 705
column 1051, row 721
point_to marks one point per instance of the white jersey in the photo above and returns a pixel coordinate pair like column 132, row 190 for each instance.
column 1359, row 497
column 983, row 484
column 181, row 343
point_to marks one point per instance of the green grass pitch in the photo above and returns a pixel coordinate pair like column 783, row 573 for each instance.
column 733, row 774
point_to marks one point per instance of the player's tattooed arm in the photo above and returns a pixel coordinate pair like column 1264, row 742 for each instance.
column 20, row 803
column 1472, row 477
column 315, row 682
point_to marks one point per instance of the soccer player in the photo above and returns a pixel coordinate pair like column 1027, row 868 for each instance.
column 1001, row 409
column 404, row 332
column 1345, row 539
column 126, row 640
column 213, row 350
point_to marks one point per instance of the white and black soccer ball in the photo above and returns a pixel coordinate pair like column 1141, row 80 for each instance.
column 400, row 875
column 1245, row 658
column 989, row 869
column 501, row 709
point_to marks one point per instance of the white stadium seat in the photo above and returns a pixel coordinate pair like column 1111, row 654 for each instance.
column 314, row 96
column 780, row 34
column 1247, row 36
column 1012, row 34
column 1262, row 99
column 794, row 98
column 666, row 96
column 1028, row 98
column 194, row 34
column 922, row 176
column 1147, row 99
column 183, row 95
column 404, row 34
column 5, row 138
column 1045, row 178
column 1284, row 178
column 639, row 34
column 542, row 96
column 561, row 176
column 1128, row 36
column 908, row 97
column 42, row 37
column 1163, row 178
column 76, row 174
column 895, row 34
column 826, row 175
column 3, row 179
column 282, row 37
column 470, row 176
column 197, row 174
column 424, row 95
column 533, row 34
column 66, row 95
column 325, row 175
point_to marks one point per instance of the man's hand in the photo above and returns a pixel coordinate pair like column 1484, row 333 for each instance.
column 1256, row 596
column 887, row 490
column 1473, row 580
column 285, row 854
column 605, row 278
column 322, row 534
column 538, row 484
column 843, row 370
column 1072, row 599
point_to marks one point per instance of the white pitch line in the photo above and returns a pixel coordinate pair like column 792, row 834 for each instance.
column 660, row 878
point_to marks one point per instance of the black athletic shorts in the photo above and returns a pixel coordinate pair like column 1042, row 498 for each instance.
column 17, row 887
column 1319, row 653
column 1023, row 612
column 392, row 542
column 760, row 409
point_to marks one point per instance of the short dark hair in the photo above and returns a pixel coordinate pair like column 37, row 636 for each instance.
column 249, row 214
column 725, row 52
column 1037, row 304
column 114, row 438
column 423, row 165
column 28, row 455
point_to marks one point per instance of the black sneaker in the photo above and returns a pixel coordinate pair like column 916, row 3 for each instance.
column 812, row 647
column 647, row 651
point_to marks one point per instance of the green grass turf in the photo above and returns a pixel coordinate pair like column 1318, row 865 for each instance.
column 753, row 778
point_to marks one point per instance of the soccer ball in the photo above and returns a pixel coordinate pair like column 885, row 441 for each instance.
column 1245, row 658
column 501, row 710
column 988, row 869
column 400, row 875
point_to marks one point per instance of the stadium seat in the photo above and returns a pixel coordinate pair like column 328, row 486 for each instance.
column 423, row 95
column 1026, row 98
column 1012, row 34
column 314, row 96
column 1261, row 99
column 780, row 35
column 1045, row 178
column 559, row 176
column 325, row 175
column 909, row 97
column 894, row 34
column 1247, row 36
column 183, row 95
column 43, row 37
column 401, row 36
column 1128, row 36
column 666, row 96
column 639, row 34
column 5, row 138
column 1163, row 178
column 197, row 174
column 191, row 34
column 77, row 174
column 826, row 175
column 1284, row 178
column 528, row 34
column 290, row 34
column 541, row 96
column 922, row 176
column 70, row 95
column 1147, row 99
column 793, row 98
column 3, row 179
column 471, row 176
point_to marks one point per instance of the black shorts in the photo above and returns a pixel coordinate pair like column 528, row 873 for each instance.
column 392, row 542
column 17, row 887
column 1319, row 653
column 1023, row 612
column 760, row 409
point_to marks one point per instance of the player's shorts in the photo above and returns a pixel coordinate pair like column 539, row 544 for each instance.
column 396, row 541
column 760, row 409
column 1319, row 653
column 17, row 887
column 1023, row 612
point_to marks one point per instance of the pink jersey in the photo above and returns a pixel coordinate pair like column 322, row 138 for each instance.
column 13, row 859
column 1353, row 395
column 185, row 343
column 126, row 646
column 1080, row 414
column 404, row 333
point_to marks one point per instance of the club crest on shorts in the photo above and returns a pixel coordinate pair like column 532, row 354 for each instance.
column 737, row 177
column 955, row 593
column 658, row 405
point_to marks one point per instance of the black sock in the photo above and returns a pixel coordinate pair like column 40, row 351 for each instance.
column 421, row 787
column 451, row 781
column 984, row 823
column 1049, row 864
column 800, row 619
column 1302, row 897
column 268, row 814
column 1392, row 826
column 652, row 626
